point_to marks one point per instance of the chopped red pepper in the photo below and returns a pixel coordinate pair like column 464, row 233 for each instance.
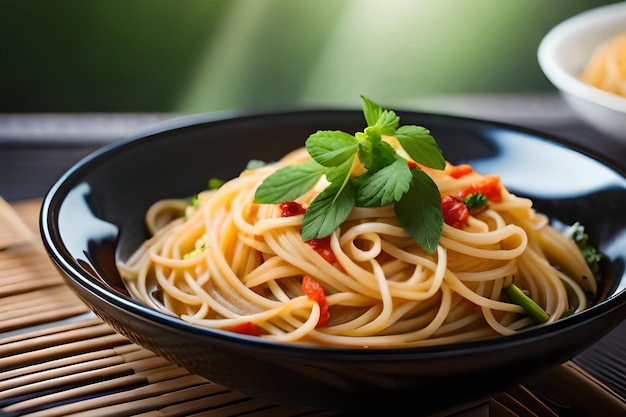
column 412, row 164
column 455, row 212
column 489, row 186
column 291, row 208
column 322, row 246
column 458, row 171
column 247, row 327
column 315, row 292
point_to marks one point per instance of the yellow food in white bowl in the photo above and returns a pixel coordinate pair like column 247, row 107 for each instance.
column 570, row 56
column 606, row 69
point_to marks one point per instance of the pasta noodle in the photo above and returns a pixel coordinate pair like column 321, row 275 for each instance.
column 606, row 68
column 232, row 264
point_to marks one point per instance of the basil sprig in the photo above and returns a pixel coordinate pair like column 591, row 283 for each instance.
column 388, row 177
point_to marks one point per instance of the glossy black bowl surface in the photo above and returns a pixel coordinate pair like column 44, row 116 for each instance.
column 95, row 213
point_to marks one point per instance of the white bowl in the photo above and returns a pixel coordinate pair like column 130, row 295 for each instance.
column 563, row 53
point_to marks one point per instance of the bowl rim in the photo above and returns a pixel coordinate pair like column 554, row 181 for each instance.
column 564, row 80
column 77, row 275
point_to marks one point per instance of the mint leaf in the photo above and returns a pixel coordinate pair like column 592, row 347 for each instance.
column 371, row 111
column 383, row 187
column 339, row 175
column 420, row 146
column 375, row 154
column 387, row 180
column 419, row 211
column 289, row 183
column 385, row 121
column 327, row 211
column 330, row 147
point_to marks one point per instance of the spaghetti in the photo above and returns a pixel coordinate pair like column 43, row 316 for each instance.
column 232, row 264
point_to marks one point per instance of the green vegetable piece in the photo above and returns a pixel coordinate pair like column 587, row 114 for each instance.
column 592, row 256
column 195, row 200
column 475, row 200
column 534, row 311
column 200, row 246
column 215, row 183
column 255, row 163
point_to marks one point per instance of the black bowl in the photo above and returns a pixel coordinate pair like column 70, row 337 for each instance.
column 95, row 213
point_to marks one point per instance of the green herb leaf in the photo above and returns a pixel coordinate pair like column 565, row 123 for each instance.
column 420, row 146
column 289, row 183
column 592, row 256
column 419, row 211
column 367, row 141
column 385, row 121
column 331, row 148
column 375, row 154
column 339, row 178
column 383, row 187
column 371, row 111
column 327, row 211
column 339, row 175
column 579, row 236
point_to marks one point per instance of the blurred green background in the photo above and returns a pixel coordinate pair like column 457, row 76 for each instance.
column 205, row 55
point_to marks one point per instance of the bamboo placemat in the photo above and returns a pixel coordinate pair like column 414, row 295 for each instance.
column 58, row 359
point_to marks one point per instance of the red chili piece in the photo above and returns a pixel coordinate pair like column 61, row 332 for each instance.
column 247, row 327
column 411, row 163
column 455, row 212
column 458, row 171
column 315, row 292
column 322, row 246
column 490, row 186
column 291, row 208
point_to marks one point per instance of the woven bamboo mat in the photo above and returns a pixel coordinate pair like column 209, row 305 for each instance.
column 58, row 359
